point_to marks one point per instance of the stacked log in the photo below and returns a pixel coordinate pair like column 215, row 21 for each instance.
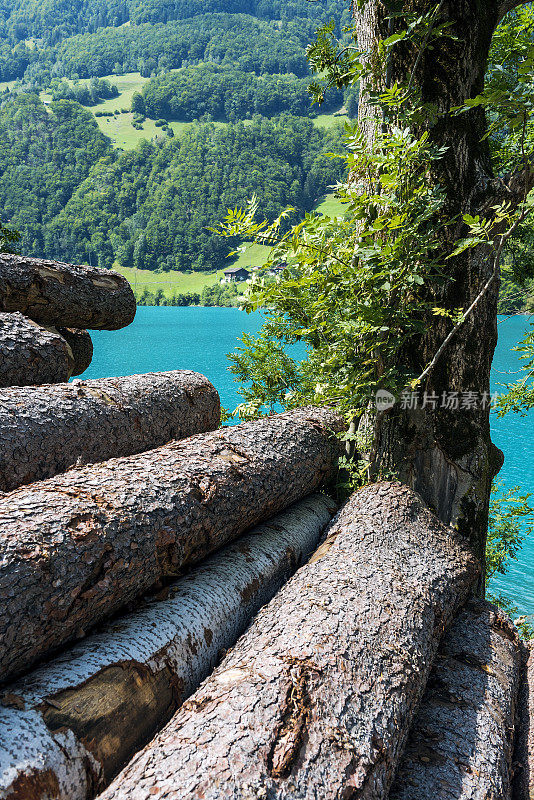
column 31, row 354
column 81, row 347
column 317, row 697
column 78, row 547
column 461, row 744
column 76, row 722
column 523, row 780
column 66, row 295
column 45, row 430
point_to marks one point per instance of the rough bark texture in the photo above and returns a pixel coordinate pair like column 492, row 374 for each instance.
column 523, row 783
column 45, row 430
column 316, row 698
column 66, row 295
column 78, row 547
column 83, row 716
column 461, row 744
column 31, row 354
column 81, row 346
column 447, row 454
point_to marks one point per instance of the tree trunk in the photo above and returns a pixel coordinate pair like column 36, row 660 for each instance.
column 65, row 295
column 31, row 354
column 82, row 717
column 316, row 699
column 81, row 346
column 45, row 430
column 461, row 744
column 447, row 454
column 76, row 548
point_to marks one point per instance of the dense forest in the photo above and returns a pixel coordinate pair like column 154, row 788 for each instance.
column 25, row 19
column 44, row 156
column 227, row 93
column 262, row 42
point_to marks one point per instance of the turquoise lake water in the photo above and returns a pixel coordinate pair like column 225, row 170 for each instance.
column 167, row 338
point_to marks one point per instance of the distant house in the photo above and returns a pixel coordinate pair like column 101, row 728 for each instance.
column 236, row 274
column 277, row 269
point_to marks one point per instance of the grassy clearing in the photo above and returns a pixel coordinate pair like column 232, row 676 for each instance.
column 172, row 282
column 119, row 128
column 330, row 206
column 127, row 85
column 124, row 135
column 255, row 255
column 175, row 282
column 329, row 120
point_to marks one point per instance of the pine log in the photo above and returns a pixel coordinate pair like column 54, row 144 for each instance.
column 316, row 698
column 45, row 430
column 82, row 717
column 65, row 295
column 461, row 744
column 523, row 779
column 78, row 547
column 30, row 354
column 81, row 346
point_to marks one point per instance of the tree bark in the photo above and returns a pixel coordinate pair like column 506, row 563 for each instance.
column 65, row 295
column 523, row 783
column 316, row 698
column 45, row 430
column 447, row 454
column 31, row 354
column 78, row 547
column 81, row 346
column 83, row 716
column 461, row 744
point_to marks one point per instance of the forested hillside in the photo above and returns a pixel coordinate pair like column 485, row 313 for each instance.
column 237, row 70
column 44, row 156
column 150, row 208
column 53, row 20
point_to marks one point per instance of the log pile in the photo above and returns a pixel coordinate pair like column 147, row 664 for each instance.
column 82, row 717
column 126, row 515
column 316, row 699
column 79, row 546
column 45, row 430
column 63, row 300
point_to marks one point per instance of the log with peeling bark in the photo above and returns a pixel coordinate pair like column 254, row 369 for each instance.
column 31, row 354
column 461, row 744
column 81, row 347
column 317, row 697
column 78, row 547
column 77, row 721
column 45, row 430
column 66, row 295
